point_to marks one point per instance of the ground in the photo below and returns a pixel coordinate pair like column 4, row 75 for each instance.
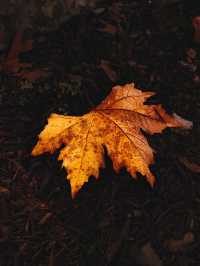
column 75, row 57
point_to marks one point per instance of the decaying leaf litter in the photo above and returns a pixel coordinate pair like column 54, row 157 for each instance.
column 115, row 219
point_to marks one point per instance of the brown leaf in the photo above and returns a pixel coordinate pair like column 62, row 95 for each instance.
column 115, row 124
column 196, row 25
column 175, row 245
column 32, row 75
column 45, row 218
column 108, row 70
column 191, row 55
column 12, row 64
column 148, row 256
column 194, row 167
column 109, row 28
column 2, row 39
column 3, row 190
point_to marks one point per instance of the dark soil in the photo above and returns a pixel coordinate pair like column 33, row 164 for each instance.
column 113, row 221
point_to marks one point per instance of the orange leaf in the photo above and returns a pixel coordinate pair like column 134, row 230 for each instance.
column 3, row 190
column 115, row 124
column 109, row 28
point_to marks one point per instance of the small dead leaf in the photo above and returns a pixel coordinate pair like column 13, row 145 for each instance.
column 175, row 245
column 3, row 190
column 4, row 233
column 149, row 257
column 18, row 46
column 45, row 218
column 109, row 28
column 105, row 65
column 196, row 25
column 194, row 167
column 114, row 248
column 33, row 75
column 196, row 79
column 191, row 55
column 2, row 40
column 12, row 64
column 115, row 124
column 48, row 8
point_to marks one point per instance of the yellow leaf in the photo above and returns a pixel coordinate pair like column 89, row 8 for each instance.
column 115, row 124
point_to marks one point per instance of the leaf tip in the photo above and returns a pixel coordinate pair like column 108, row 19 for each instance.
column 184, row 123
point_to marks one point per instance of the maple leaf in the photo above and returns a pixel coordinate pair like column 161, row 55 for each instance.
column 115, row 124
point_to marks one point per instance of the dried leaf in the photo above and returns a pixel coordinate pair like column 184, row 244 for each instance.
column 148, row 256
column 196, row 25
column 3, row 189
column 45, row 218
column 194, row 167
column 109, row 28
column 12, row 64
column 105, row 65
column 176, row 245
column 2, row 40
column 32, row 75
column 115, row 124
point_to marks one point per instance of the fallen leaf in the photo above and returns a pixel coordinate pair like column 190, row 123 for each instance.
column 12, row 64
column 175, row 245
column 45, row 218
column 32, row 75
column 48, row 8
column 191, row 55
column 2, row 40
column 196, row 26
column 3, row 190
column 115, row 124
column 114, row 248
column 148, row 256
column 109, row 28
column 105, row 65
column 18, row 46
column 194, row 167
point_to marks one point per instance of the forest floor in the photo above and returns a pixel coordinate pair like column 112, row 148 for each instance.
column 68, row 68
